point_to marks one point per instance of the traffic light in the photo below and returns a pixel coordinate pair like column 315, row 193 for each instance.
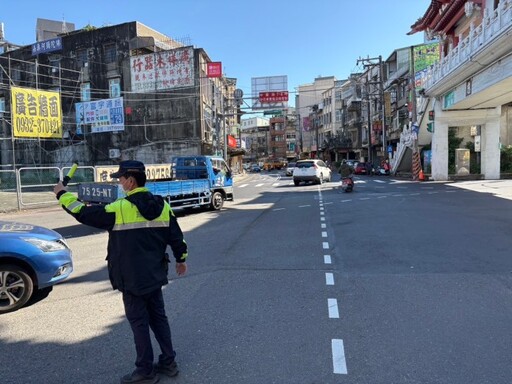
column 431, row 115
column 430, row 127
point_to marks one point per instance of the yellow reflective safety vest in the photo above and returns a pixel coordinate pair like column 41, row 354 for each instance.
column 140, row 226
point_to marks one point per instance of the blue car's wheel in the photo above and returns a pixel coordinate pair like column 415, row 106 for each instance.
column 16, row 288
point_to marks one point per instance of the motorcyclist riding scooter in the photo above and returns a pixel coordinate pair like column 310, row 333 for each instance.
column 346, row 171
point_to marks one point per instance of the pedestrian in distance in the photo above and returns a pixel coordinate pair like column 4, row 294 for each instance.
column 140, row 226
column 369, row 168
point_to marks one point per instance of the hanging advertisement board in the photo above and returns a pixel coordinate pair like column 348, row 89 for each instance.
column 162, row 70
column 106, row 115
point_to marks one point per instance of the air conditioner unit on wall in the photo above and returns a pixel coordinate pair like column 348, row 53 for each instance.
column 114, row 153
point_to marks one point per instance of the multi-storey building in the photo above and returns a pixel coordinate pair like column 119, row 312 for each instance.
column 277, row 131
column 255, row 136
column 471, row 83
column 169, row 105
column 291, row 134
column 308, row 104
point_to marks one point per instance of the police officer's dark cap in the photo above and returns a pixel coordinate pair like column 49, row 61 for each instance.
column 128, row 166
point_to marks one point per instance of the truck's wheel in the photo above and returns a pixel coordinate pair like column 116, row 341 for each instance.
column 217, row 201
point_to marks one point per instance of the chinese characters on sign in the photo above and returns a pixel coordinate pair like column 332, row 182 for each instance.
column 162, row 70
column 36, row 113
column 214, row 69
column 272, row 97
column 153, row 172
column 47, row 46
column 105, row 115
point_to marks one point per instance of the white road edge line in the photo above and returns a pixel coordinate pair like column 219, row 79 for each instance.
column 332, row 304
column 338, row 357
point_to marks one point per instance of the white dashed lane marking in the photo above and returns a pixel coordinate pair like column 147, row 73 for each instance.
column 338, row 357
column 327, row 259
column 332, row 304
column 329, row 278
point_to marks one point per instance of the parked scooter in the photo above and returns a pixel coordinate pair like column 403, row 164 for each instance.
column 347, row 184
column 381, row 171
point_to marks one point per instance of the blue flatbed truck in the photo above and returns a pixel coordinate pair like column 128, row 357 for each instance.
column 204, row 181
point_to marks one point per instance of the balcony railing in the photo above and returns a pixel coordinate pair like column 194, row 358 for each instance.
column 479, row 38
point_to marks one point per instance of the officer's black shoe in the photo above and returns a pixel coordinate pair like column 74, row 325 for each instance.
column 170, row 370
column 138, row 378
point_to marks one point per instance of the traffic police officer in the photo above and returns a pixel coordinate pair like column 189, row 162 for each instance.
column 140, row 227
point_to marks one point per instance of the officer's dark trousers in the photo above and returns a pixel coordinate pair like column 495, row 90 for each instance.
column 144, row 312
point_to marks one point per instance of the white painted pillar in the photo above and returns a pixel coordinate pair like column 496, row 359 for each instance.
column 490, row 147
column 440, row 151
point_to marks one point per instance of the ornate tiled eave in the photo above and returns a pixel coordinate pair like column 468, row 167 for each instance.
column 431, row 16
column 441, row 15
column 450, row 16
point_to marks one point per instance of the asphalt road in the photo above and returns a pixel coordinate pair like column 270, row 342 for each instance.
column 397, row 282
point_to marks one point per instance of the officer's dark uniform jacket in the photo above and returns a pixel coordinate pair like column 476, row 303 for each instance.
column 140, row 227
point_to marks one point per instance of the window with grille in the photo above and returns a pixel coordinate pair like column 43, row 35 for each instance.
column 85, row 89
column 110, row 53
column 82, row 57
column 114, row 86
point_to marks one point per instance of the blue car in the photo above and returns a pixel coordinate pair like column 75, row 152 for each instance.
column 32, row 258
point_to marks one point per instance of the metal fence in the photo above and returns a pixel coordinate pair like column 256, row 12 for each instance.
column 32, row 187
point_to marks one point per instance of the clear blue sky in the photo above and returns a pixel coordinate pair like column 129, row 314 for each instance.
column 299, row 38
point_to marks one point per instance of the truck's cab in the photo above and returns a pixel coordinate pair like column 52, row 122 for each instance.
column 204, row 181
column 215, row 169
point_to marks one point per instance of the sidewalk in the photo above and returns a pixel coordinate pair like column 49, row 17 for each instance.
column 499, row 188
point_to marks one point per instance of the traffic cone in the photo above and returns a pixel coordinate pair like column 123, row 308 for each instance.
column 421, row 175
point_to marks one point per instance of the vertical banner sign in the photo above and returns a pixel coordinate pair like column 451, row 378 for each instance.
column 231, row 141
column 425, row 55
column 36, row 113
column 105, row 115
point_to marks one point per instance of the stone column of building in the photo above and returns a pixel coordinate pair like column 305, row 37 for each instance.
column 490, row 140
column 440, row 151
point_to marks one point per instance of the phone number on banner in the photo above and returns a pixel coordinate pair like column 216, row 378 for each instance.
column 37, row 127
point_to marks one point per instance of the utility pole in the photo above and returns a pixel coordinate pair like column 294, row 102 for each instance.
column 367, row 86
column 224, row 133
column 416, row 160
column 382, row 106
column 369, row 62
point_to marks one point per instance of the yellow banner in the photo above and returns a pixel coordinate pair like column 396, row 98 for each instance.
column 36, row 113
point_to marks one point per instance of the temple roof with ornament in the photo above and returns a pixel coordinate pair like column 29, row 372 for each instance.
column 441, row 15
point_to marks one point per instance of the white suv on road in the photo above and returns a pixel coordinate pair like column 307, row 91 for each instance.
column 311, row 170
